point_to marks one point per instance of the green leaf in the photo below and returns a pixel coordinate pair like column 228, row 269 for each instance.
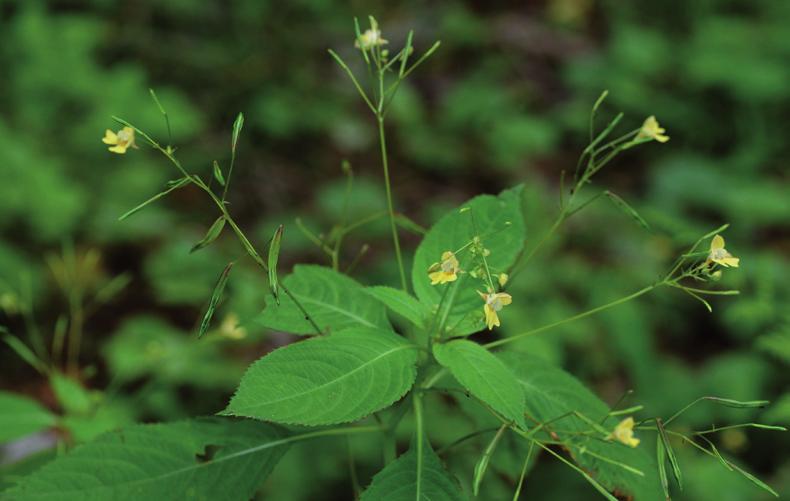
column 72, row 396
column 485, row 376
column 333, row 300
column 205, row 458
column 215, row 298
column 398, row 481
column 505, row 241
column 21, row 416
column 218, row 174
column 552, row 393
column 213, row 232
column 274, row 254
column 327, row 379
column 172, row 186
column 400, row 302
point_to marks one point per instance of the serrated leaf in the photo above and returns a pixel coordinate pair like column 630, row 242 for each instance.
column 333, row 300
column 485, row 376
column 328, row 379
column 213, row 232
column 218, row 174
column 398, row 480
column 453, row 231
column 550, row 393
column 216, row 296
column 205, row 458
column 21, row 416
column 274, row 255
column 400, row 302
column 172, row 186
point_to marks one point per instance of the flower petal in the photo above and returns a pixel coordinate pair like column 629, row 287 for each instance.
column 110, row 137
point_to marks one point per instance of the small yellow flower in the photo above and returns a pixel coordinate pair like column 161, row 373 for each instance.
column 719, row 255
column 370, row 38
column 651, row 130
column 495, row 301
column 624, row 432
column 230, row 327
column 120, row 141
column 502, row 279
column 446, row 271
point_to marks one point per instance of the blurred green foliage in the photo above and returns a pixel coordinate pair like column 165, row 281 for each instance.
column 505, row 100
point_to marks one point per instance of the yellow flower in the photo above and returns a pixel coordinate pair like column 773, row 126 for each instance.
column 230, row 327
column 494, row 303
column 446, row 271
column 651, row 130
column 502, row 279
column 370, row 38
column 624, row 432
column 719, row 255
column 120, row 141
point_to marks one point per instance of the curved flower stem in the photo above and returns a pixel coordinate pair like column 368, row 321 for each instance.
column 587, row 313
column 390, row 209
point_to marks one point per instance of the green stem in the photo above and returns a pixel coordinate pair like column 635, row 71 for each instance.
column 587, row 313
column 417, row 397
column 519, row 266
column 393, row 226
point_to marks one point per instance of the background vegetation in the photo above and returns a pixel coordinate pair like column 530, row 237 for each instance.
column 505, row 100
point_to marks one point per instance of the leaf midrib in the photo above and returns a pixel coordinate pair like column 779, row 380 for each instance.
column 328, row 383
column 308, row 299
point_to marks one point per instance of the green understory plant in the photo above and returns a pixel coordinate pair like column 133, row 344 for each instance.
column 383, row 362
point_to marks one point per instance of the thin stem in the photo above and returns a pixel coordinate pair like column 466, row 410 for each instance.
column 353, row 79
column 523, row 471
column 587, row 313
column 393, row 226
column 417, row 397
column 519, row 266
column 224, row 210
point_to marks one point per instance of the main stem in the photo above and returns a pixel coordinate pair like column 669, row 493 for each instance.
column 393, row 226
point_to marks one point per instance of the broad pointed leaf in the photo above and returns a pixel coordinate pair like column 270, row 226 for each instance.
column 327, row 380
column 401, row 303
column 499, row 222
column 551, row 393
column 485, row 376
column 206, row 458
column 398, row 481
column 333, row 300
column 20, row 416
